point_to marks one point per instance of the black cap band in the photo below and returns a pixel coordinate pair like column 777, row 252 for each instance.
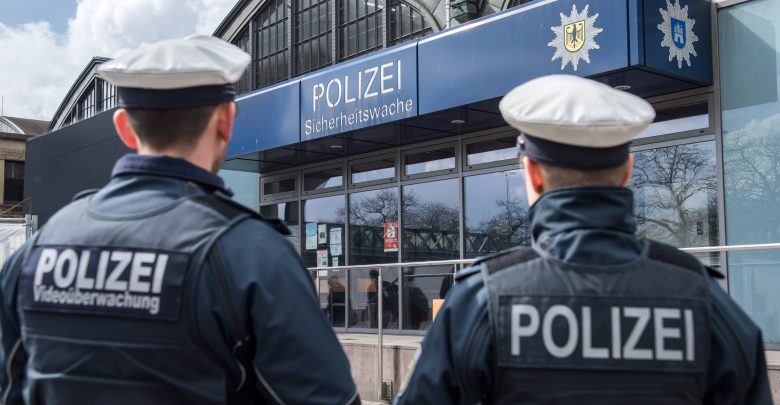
column 573, row 157
column 200, row 96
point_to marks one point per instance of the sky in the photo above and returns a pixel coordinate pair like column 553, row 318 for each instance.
column 45, row 44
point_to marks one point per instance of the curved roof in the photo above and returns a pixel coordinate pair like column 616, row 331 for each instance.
column 78, row 87
column 26, row 126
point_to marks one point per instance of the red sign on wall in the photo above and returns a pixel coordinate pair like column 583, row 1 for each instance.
column 391, row 236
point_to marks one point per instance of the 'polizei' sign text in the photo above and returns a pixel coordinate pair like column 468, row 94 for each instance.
column 361, row 94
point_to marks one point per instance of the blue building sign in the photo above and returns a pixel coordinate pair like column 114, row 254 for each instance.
column 370, row 91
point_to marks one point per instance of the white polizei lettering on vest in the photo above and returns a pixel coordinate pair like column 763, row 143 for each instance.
column 45, row 264
column 690, row 349
column 82, row 281
column 63, row 277
column 385, row 77
column 588, row 351
column 159, row 273
column 571, row 342
column 630, row 352
column 662, row 333
column 142, row 268
column 519, row 330
column 113, row 282
column 617, row 340
column 100, row 277
column 369, row 94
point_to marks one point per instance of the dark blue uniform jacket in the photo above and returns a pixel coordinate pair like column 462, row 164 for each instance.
column 593, row 226
column 295, row 358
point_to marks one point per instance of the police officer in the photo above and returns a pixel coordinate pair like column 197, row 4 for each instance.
column 158, row 288
column 589, row 313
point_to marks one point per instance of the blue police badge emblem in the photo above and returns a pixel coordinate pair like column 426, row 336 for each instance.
column 678, row 32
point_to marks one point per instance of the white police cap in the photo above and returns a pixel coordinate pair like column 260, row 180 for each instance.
column 195, row 71
column 575, row 122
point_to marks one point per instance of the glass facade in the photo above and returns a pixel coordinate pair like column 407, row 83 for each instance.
column 749, row 42
column 371, row 213
column 323, row 231
column 496, row 212
column 360, row 27
column 271, row 50
column 430, row 228
column 404, row 22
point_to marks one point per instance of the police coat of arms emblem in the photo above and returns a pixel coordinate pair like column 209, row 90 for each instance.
column 678, row 32
column 575, row 37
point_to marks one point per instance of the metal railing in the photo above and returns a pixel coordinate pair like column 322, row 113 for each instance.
column 380, row 267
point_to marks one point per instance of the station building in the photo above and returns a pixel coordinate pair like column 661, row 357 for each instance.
column 372, row 128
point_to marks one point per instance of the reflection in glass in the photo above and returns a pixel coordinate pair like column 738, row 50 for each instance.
column 404, row 22
column 750, row 97
column 323, row 179
column 380, row 169
column 678, row 119
column 287, row 212
column 370, row 214
column 333, row 296
column 430, row 161
column 323, row 221
column 675, row 192
column 431, row 226
column 363, row 298
column 493, row 150
column 496, row 212
column 421, row 286
column 279, row 186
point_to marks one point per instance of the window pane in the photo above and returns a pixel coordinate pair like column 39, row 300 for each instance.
column 333, row 297
column 675, row 194
column 430, row 161
column 323, row 179
column 431, row 226
column 496, row 212
column 750, row 97
column 287, row 212
column 421, row 286
column 363, row 298
column 279, row 186
column 373, row 226
column 492, row 151
column 14, row 181
column 678, row 119
column 324, row 232
column 375, row 170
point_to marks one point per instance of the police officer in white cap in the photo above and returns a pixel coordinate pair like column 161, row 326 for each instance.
column 158, row 288
column 589, row 313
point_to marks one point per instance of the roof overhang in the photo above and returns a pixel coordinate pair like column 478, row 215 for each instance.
column 418, row 90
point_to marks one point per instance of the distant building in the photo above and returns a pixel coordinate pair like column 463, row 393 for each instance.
column 14, row 133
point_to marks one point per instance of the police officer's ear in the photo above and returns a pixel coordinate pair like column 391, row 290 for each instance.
column 226, row 115
column 124, row 129
column 534, row 183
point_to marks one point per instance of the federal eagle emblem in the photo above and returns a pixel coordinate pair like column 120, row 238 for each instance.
column 678, row 32
column 575, row 37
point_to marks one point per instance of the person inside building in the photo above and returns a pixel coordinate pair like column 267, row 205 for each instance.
column 158, row 288
column 589, row 313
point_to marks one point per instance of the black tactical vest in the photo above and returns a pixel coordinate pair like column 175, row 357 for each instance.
column 577, row 334
column 106, row 306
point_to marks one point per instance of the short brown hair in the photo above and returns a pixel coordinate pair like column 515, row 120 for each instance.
column 559, row 177
column 170, row 127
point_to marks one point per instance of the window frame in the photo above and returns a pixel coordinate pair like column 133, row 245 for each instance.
column 304, row 172
column 386, row 182
column 413, row 151
column 279, row 196
column 483, row 138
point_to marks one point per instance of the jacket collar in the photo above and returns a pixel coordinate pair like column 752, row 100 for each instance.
column 589, row 225
column 166, row 166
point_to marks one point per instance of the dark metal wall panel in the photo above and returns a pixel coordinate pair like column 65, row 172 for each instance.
column 64, row 162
